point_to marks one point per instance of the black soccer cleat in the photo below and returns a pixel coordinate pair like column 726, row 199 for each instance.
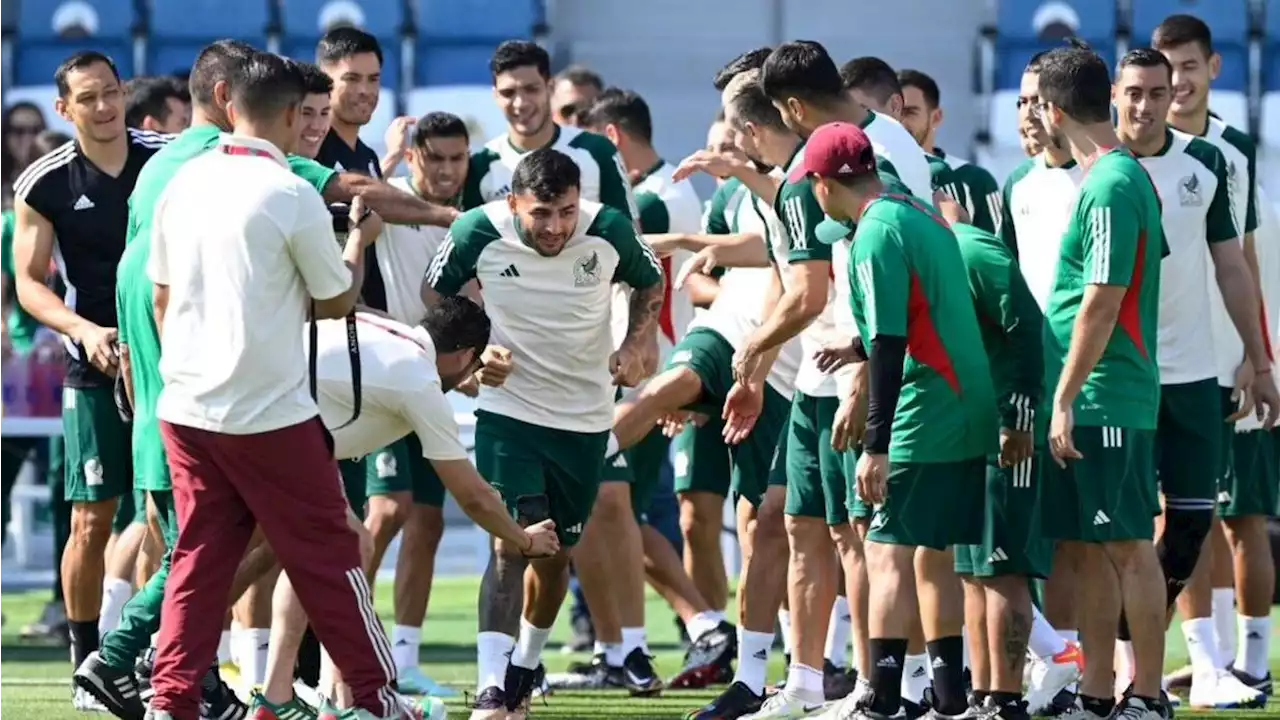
column 517, row 686
column 837, row 682
column 736, row 701
column 217, row 700
column 116, row 689
column 709, row 660
column 639, row 676
column 490, row 703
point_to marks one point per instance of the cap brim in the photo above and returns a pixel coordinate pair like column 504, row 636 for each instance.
column 832, row 231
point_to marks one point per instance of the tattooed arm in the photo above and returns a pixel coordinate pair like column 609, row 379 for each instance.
column 637, row 357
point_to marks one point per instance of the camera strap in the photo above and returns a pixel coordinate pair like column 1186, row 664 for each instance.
column 353, row 351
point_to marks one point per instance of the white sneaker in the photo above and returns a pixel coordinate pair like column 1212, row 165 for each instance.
column 82, row 701
column 785, row 706
column 1049, row 677
column 850, row 706
column 1222, row 690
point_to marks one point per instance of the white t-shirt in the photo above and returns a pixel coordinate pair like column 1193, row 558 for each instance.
column 1190, row 176
column 400, row 389
column 242, row 264
column 404, row 252
column 1039, row 200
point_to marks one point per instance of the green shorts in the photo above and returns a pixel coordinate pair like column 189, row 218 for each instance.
column 1011, row 540
column 1109, row 494
column 1250, row 488
column 816, row 484
column 353, row 484
column 1189, row 443
column 641, row 466
column 701, row 462
column 933, row 505
column 858, row 508
column 520, row 459
column 131, row 509
column 99, row 452
column 400, row 467
column 710, row 357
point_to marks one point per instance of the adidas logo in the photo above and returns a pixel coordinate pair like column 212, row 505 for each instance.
column 887, row 662
column 84, row 203
column 762, row 654
column 938, row 662
column 1254, row 635
column 845, row 169
column 919, row 672
column 1224, row 497
column 998, row 556
column 619, row 461
column 1101, row 518
column 511, row 271
column 401, row 642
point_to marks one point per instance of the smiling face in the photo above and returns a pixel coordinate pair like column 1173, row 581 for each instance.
column 94, row 103
column 316, row 119
column 524, row 96
column 918, row 118
column 356, row 82
column 1142, row 97
column 1194, row 70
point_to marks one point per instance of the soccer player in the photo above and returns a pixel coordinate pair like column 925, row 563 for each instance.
column 970, row 185
column 1188, row 44
column 572, row 93
column 70, row 209
column 156, row 104
column 1191, row 177
column 317, row 110
column 873, row 84
column 928, row 489
column 542, row 436
column 1100, row 491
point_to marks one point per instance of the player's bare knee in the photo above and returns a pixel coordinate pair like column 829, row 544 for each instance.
column 91, row 523
column 890, row 565
column 699, row 517
column 848, row 544
column 613, row 504
column 1242, row 532
column 387, row 514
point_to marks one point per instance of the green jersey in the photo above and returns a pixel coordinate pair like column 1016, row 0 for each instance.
column 908, row 280
column 1011, row 325
column 22, row 327
column 136, row 322
column 969, row 185
column 1114, row 237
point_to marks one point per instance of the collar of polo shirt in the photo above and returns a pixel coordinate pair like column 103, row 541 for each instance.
column 242, row 144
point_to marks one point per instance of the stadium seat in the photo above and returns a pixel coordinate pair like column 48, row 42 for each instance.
column 1024, row 28
column 1270, row 128
column 456, row 38
column 42, row 96
column 180, row 28
column 1229, row 20
column 305, row 21
column 48, row 31
column 473, row 103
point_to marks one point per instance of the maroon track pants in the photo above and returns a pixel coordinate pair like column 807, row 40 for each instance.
column 286, row 482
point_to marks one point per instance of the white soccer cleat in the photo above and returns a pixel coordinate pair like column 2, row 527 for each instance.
column 1052, row 676
column 1222, row 691
column 783, row 705
column 82, row 701
column 850, row 707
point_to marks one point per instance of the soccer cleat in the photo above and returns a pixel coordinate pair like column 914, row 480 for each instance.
column 412, row 681
column 855, row 705
column 1135, row 708
column 1053, row 675
column 52, row 626
column 116, row 689
column 784, row 705
column 595, row 675
column 638, row 675
column 1179, row 679
column 489, row 705
column 217, row 700
column 517, row 688
column 262, row 709
column 84, row 701
column 709, row 660
column 1011, row 711
column 837, row 682
column 1223, row 691
column 736, row 701
column 142, row 671
column 1261, row 684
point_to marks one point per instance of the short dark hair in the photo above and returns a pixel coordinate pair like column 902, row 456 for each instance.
column 341, row 43
column 623, row 108
column 512, row 54
column 80, row 61
column 316, row 82
column 180, row 87
column 50, row 140
column 547, row 174
column 871, row 75
column 801, row 69
column 439, row 124
column 266, row 85
column 148, row 97
column 1144, row 58
column 922, row 82
column 749, row 60
column 582, row 76
column 1177, row 30
column 1078, row 81
column 457, row 323
column 217, row 62
column 753, row 106
column 1036, row 62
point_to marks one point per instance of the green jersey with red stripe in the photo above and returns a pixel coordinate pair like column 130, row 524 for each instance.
column 908, row 280
column 1114, row 237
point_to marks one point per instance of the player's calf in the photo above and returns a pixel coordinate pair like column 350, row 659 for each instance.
column 82, row 573
column 700, row 524
column 386, row 516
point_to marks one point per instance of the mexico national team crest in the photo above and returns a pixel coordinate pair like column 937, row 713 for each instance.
column 586, row 271
column 1189, row 191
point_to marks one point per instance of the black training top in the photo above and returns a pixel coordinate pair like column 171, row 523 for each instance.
column 337, row 154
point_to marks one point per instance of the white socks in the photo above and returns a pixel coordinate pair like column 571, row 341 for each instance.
column 633, row 639
column 703, row 623
column 224, row 648
column 1224, row 621
column 753, row 659
column 405, row 640
column 805, row 683
column 492, row 649
column 115, row 593
column 1255, row 645
column 915, row 677
column 1045, row 642
column 784, row 626
column 839, row 630
column 1202, row 647
column 528, row 649
column 612, row 652
column 250, row 646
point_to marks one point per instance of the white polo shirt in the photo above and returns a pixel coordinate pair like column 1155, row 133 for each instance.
column 243, row 245
column 400, row 390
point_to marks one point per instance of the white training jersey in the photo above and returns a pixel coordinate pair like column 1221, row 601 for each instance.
column 1266, row 240
column 1190, row 176
column 1038, row 200
column 553, row 313
column 894, row 144
column 400, row 390
column 1242, row 182
column 404, row 252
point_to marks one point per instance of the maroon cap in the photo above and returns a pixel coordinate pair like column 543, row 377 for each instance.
column 836, row 150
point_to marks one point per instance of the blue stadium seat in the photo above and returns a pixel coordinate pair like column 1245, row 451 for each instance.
column 180, row 28
column 454, row 64
column 48, row 31
column 1270, row 130
column 456, row 38
column 305, row 21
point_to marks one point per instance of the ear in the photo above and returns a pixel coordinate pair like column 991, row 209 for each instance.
column 511, row 203
column 795, row 107
column 221, row 94
column 60, row 107
column 895, row 106
column 291, row 115
column 611, row 132
column 230, row 110
column 937, row 116
column 1215, row 66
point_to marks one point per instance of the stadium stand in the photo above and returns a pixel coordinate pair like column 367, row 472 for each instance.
column 457, row 37
column 50, row 31
column 1270, row 127
column 179, row 29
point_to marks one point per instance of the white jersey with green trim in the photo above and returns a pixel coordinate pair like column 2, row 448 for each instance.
column 404, row 252
column 894, row 143
column 1040, row 202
